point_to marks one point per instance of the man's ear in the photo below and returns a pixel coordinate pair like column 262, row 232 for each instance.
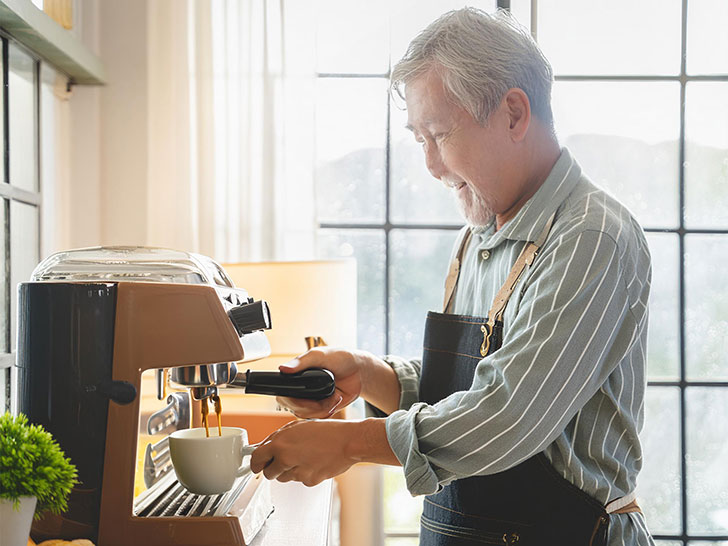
column 518, row 109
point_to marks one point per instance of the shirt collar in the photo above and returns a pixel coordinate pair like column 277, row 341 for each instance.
column 528, row 222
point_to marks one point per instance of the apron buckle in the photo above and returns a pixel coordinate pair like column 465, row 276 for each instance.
column 487, row 330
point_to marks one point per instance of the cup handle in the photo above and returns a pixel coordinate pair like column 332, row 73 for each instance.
column 244, row 452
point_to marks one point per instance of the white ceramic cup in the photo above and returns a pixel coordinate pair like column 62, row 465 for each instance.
column 209, row 466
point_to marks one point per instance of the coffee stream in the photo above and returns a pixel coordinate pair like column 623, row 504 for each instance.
column 218, row 412
column 206, row 411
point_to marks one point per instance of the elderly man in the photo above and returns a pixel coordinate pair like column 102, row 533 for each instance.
column 521, row 421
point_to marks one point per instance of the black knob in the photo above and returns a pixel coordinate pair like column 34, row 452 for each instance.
column 250, row 317
column 121, row 392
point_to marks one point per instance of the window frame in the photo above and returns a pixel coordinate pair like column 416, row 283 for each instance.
column 9, row 194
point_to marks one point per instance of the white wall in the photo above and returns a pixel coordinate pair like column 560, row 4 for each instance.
column 107, row 192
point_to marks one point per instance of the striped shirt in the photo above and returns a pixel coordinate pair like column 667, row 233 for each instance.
column 570, row 376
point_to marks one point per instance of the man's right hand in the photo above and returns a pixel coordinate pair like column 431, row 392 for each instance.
column 346, row 368
column 357, row 373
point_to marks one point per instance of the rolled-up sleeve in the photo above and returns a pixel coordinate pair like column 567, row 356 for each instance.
column 572, row 327
column 408, row 375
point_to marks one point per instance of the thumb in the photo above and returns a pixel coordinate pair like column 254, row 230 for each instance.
column 292, row 366
column 309, row 359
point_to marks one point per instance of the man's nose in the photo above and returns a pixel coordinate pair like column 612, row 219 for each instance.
column 433, row 160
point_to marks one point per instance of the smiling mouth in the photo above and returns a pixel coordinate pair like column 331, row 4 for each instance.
column 459, row 185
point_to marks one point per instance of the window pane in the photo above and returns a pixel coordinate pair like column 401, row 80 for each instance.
column 352, row 37
column 416, row 196
column 351, row 119
column 4, row 390
column 706, row 458
column 664, row 332
column 625, row 137
column 707, row 38
column 605, row 38
column 22, row 108
column 419, row 264
column 367, row 246
column 401, row 510
column 706, row 155
column 4, row 322
column 24, row 253
column 659, row 483
column 410, row 17
column 706, row 302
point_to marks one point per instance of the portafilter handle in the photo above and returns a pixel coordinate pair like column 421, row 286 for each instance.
column 313, row 383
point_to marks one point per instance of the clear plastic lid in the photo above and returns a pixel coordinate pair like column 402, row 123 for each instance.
column 131, row 263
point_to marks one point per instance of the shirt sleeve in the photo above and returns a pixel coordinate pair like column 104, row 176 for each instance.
column 572, row 327
column 408, row 375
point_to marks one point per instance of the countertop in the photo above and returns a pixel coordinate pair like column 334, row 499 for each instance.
column 303, row 515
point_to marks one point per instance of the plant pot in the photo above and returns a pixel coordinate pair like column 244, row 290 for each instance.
column 15, row 524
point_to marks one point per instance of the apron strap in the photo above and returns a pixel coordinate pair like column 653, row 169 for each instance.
column 452, row 276
column 631, row 507
column 623, row 505
column 526, row 258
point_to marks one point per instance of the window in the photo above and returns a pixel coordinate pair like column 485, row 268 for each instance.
column 639, row 98
column 19, row 195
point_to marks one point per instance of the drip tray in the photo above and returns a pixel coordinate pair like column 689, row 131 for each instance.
column 168, row 498
column 249, row 501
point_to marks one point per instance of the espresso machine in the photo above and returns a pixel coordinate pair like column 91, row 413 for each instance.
column 104, row 334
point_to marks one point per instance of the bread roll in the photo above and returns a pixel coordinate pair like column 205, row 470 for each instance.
column 59, row 542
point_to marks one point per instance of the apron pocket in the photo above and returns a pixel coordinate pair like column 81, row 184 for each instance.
column 469, row 534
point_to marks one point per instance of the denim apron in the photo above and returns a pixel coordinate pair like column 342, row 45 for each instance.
column 529, row 504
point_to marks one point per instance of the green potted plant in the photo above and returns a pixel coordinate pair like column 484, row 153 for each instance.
column 35, row 477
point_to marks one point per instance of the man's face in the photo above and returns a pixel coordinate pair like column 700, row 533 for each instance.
column 470, row 159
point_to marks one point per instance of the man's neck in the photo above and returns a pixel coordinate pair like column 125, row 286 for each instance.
column 540, row 161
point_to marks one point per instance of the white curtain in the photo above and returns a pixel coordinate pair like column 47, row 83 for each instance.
column 230, row 109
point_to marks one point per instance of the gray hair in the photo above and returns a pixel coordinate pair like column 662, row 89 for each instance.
column 479, row 57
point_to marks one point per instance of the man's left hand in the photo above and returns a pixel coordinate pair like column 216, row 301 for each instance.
column 313, row 451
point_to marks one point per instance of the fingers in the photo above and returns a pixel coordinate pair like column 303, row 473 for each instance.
column 262, row 457
column 296, row 475
column 335, row 406
column 311, row 409
column 273, row 469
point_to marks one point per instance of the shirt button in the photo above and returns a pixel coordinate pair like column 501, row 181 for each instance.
column 485, row 254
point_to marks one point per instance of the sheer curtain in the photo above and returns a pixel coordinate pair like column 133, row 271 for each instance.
column 231, row 128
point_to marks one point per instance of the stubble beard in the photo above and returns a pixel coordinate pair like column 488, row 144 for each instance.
column 474, row 207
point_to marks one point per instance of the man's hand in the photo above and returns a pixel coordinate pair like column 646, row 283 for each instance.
column 313, row 451
column 356, row 373
column 347, row 373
